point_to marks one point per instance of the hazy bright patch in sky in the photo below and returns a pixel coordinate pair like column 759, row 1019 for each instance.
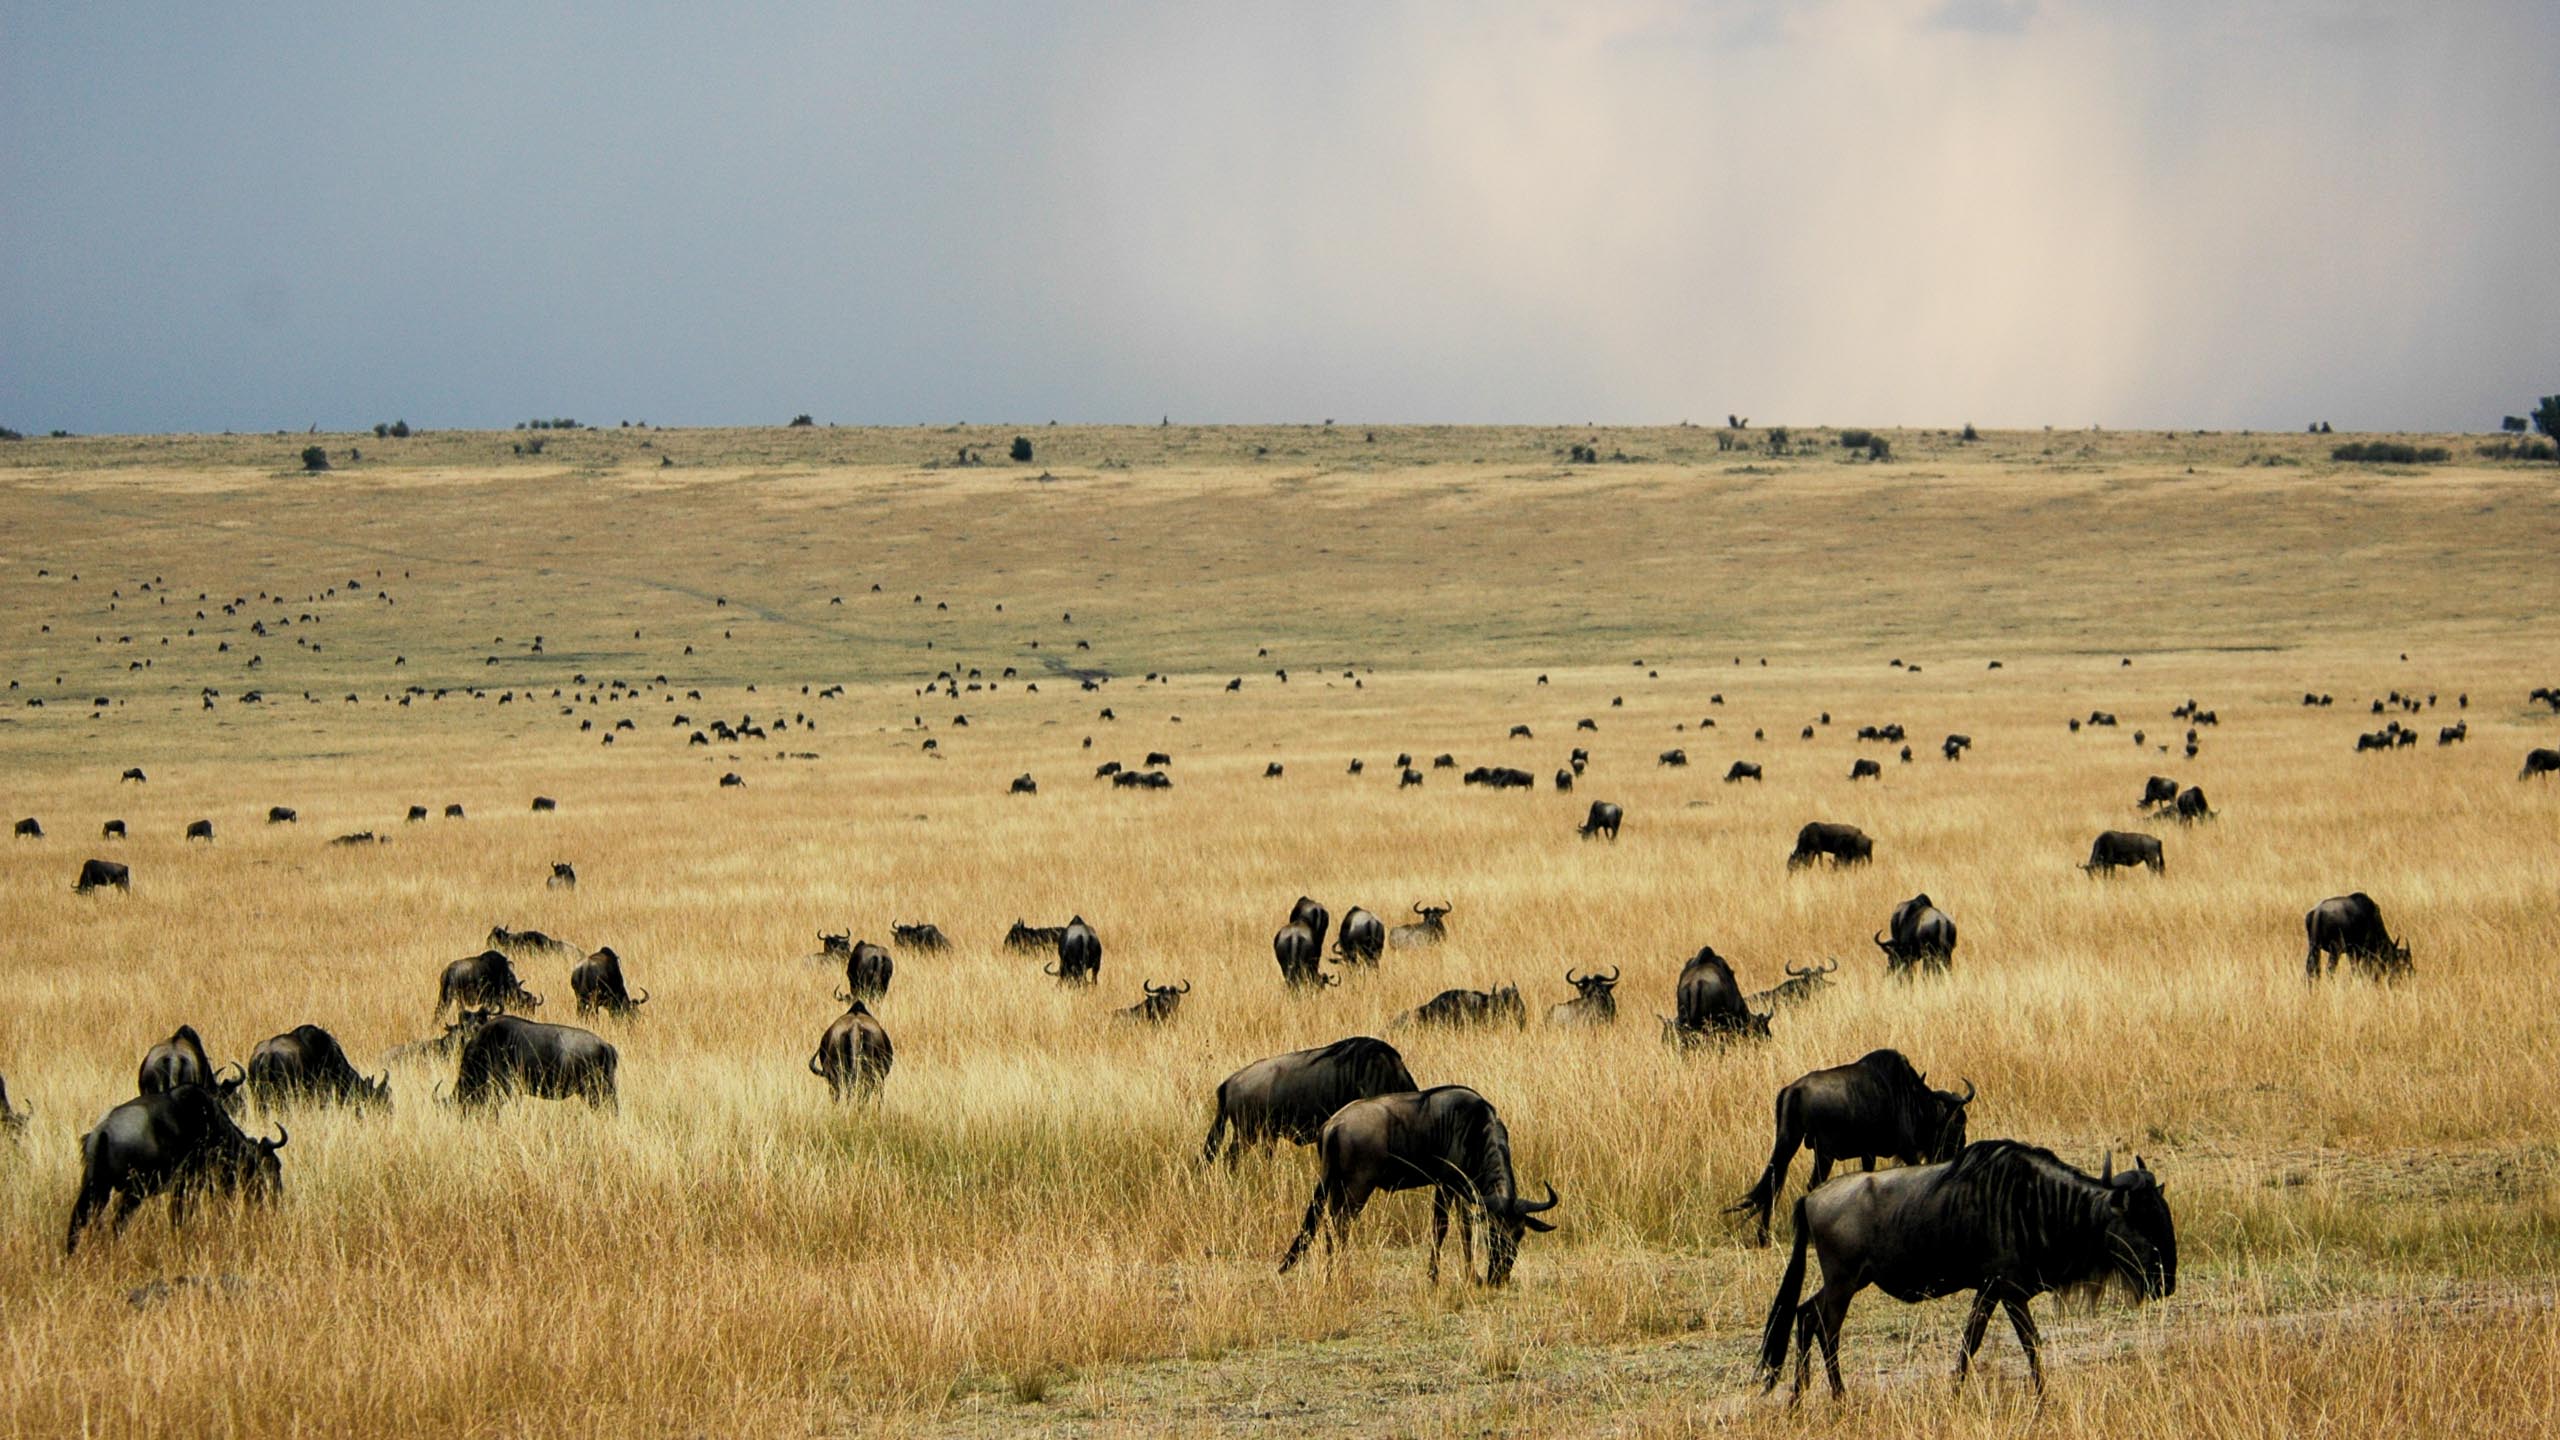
column 2255, row 213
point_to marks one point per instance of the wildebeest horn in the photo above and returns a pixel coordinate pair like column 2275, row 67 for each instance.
column 813, row 1068
column 1613, row 974
column 1834, row 965
column 533, row 1000
column 282, row 1135
column 1527, row 1208
column 1968, row 1092
column 230, row 1065
column 1569, row 980
column 1186, row 987
column 644, row 996
column 1881, row 945
column 1417, row 907
column 2107, row 1166
column 441, row 1097
column 1795, row 974
column 1049, row 969
column 844, row 997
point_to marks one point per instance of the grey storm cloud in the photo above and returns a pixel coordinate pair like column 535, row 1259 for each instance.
column 2182, row 213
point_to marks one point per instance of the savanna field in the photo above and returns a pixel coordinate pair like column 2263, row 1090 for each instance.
column 1019, row 1234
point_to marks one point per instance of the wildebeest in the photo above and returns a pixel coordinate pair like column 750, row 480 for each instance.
column 529, row 942
column 1672, row 757
column 1842, row 844
column 732, row 780
column 597, row 982
column 1289, row 1097
column 1604, row 817
column 1314, row 916
column 2158, row 790
column 281, row 815
column 2190, row 805
column 417, row 812
column 29, row 829
column 512, row 1056
column 1363, row 936
column 1877, row 1105
column 867, row 972
column 181, row 1060
column 306, row 1063
column 1106, row 769
column 1595, row 1003
column 2539, row 762
column 1741, row 770
column 1408, row 777
column 112, row 830
column 1520, row 732
column 12, row 1121
column 2115, row 848
column 135, row 774
column 181, row 1142
column 2454, row 733
column 854, row 1055
column 1033, row 937
column 2005, row 1220
column 1444, row 761
column 1142, row 780
column 1801, row 984
column 544, row 804
column 1564, row 779
column 488, row 978
column 1865, row 770
column 1160, row 1004
column 2351, row 925
column 199, row 829
column 1296, row 947
column 1023, row 784
column 564, row 876
column 1920, row 935
column 1430, row 930
column 1464, row 1008
column 94, row 873
column 1158, row 757
column 1709, row 1003
column 455, row 1036
column 1447, row 1138
column 926, row 936
column 1079, row 955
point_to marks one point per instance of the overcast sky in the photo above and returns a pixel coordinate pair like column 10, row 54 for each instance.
column 2220, row 213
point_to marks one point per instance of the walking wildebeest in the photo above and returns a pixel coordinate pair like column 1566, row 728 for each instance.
column 181, row 1060
column 1160, row 1004
column 553, row 1062
column 2004, row 1220
column 306, row 1063
column 94, row 873
column 1033, row 937
column 1595, row 1003
column 1672, row 757
column 564, row 876
column 1430, row 930
column 1079, row 955
column 1799, row 986
column 2116, row 848
column 1289, row 1097
column 1919, row 935
column 1604, row 817
column 927, row 936
column 1741, row 770
column 1709, row 1004
column 1877, row 1105
column 854, row 1055
column 1865, row 770
column 2540, row 762
column 1843, row 844
column 2351, row 925
column 867, row 972
column 1463, row 1008
column 181, row 1142
column 1447, row 1138
column 1363, row 937
column 200, row 830
column 533, row 942
column 1294, row 946
column 488, row 978
column 597, row 982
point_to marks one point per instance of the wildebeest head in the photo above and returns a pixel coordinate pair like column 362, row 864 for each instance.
column 1594, row 986
column 1949, row 1140
column 843, row 944
column 2142, row 1238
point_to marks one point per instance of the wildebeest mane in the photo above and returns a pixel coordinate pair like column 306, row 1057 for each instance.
column 2036, row 1202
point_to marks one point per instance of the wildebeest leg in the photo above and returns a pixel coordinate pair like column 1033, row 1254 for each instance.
column 1985, row 1300
column 1867, row 1163
column 127, row 1202
column 1307, row 1229
column 1823, row 1316
column 1821, row 1171
column 1467, row 1236
column 1439, row 1229
column 83, row 1210
column 2028, row 1340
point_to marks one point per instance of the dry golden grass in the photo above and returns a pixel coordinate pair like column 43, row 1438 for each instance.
column 1019, row 1234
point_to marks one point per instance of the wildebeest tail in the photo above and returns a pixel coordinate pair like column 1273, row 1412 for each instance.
column 1217, row 1129
column 1782, row 1308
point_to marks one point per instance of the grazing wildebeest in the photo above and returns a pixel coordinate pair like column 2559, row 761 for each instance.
column 927, row 936
column 181, row 1060
column 1564, row 779
column 112, row 830
column 2158, row 790
column 1672, row 757
column 854, row 1055
column 867, row 972
column 597, row 982
column 1604, row 818
column 1160, row 1004
column 94, row 873
column 732, row 780
column 1801, row 984
column 1595, row 1003
column 2540, row 762
column 1920, row 935
column 1158, row 757
column 1877, row 1105
column 2116, row 848
column 488, row 978
column 1464, row 1008
column 1842, row 844
column 1430, row 930
column 1079, row 955
column 29, row 829
column 281, row 815
column 1520, row 732
column 199, row 829
column 1409, row 777
column 1289, row 1097
column 1578, row 759
column 1023, row 784
column 1444, row 761
column 564, row 876
column 1709, row 1004
column 553, row 1062
column 2190, row 805
column 306, row 1063
column 1741, row 770
column 529, row 942
column 543, row 804
column 181, row 1142
column 1033, row 937
column 2005, row 1220
column 1363, row 936
column 1314, row 916
column 1106, row 769
column 1447, row 1138
column 1865, row 770
column 1296, row 949
column 135, row 774
column 2374, row 740
column 2351, row 925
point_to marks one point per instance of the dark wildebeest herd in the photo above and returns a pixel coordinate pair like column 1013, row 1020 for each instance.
column 2000, row 1218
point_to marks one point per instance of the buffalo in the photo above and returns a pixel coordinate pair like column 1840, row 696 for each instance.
column 1920, row 936
column 2004, row 1220
column 1710, row 1004
column 180, row 1142
column 867, row 972
column 94, row 873
column 1801, row 984
column 2351, row 925
column 1604, row 819
column 1877, row 1105
column 1447, row 1138
column 181, row 1060
column 488, row 978
column 306, row 1063
column 1289, row 1097
column 1841, row 844
column 1594, row 1003
column 1160, row 1004
column 1430, row 930
column 926, row 937
column 597, row 982
column 511, row 1056
column 1459, row 1009
column 1079, row 955
column 1741, row 770
column 854, row 1056
column 2118, row 848
column 1363, row 937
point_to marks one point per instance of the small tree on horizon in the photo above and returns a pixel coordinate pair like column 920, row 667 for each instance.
column 314, row 458
column 2546, row 418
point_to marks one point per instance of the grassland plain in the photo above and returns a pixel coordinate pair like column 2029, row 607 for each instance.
column 1019, row 1234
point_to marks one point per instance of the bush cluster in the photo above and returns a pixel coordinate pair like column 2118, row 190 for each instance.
column 2390, row 452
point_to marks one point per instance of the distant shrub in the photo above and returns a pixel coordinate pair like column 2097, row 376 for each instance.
column 532, row 446
column 2390, row 452
column 1779, row 443
column 314, row 458
column 381, row 431
column 2546, row 417
column 8, row 434
column 2513, row 425
column 399, row 429
column 1879, row 449
column 1854, row 439
column 1021, row 449
column 800, row 422
column 558, row 424
column 2519, row 450
column 1970, row 435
